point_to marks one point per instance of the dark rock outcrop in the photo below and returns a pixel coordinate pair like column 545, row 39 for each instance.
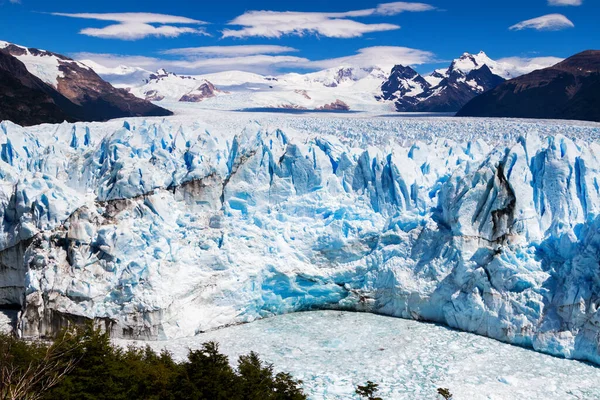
column 567, row 90
column 337, row 105
column 203, row 92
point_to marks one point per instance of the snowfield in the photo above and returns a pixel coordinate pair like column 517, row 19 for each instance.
column 166, row 228
column 332, row 352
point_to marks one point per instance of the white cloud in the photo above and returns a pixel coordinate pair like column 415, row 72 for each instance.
column 398, row 7
column 230, row 51
column 274, row 24
column 259, row 63
column 135, row 31
column 525, row 65
column 134, row 26
column 383, row 56
column 220, row 58
column 565, row 2
column 550, row 22
column 144, row 18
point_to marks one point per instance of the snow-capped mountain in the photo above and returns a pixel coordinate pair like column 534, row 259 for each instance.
column 90, row 97
column 122, row 76
column 404, row 81
column 443, row 90
column 344, row 76
column 164, row 85
column 360, row 88
column 326, row 89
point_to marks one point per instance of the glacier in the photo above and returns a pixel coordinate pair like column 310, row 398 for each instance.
column 167, row 228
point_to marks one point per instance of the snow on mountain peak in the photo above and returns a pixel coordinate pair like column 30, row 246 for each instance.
column 43, row 64
column 165, row 85
column 468, row 62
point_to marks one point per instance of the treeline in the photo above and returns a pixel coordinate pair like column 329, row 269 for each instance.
column 85, row 365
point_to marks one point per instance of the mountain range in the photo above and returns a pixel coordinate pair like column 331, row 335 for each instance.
column 40, row 86
column 376, row 88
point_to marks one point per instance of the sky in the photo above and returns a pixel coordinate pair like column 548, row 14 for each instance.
column 275, row 36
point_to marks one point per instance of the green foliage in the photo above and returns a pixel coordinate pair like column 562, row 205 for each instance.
column 98, row 370
column 28, row 369
column 445, row 393
column 368, row 391
column 257, row 381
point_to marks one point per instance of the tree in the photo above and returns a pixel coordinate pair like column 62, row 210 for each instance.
column 258, row 383
column 445, row 393
column 83, row 364
column 29, row 370
column 368, row 391
column 206, row 375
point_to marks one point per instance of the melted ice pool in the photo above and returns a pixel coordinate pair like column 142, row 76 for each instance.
column 334, row 351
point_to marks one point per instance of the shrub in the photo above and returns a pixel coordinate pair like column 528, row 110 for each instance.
column 85, row 365
column 445, row 393
column 368, row 391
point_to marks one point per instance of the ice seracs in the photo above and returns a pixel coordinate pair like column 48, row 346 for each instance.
column 163, row 229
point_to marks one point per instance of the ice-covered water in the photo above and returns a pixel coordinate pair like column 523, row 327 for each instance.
column 333, row 351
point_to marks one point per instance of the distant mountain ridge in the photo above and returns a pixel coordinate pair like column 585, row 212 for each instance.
column 443, row 90
column 567, row 90
column 372, row 88
column 83, row 94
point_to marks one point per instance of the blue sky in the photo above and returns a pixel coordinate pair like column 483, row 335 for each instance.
column 426, row 35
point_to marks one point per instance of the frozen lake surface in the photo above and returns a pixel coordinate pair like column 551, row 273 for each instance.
column 334, row 351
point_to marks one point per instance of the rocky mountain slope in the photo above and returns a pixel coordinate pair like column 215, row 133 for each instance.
column 568, row 90
column 90, row 97
column 24, row 98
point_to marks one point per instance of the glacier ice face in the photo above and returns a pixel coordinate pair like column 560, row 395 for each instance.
column 165, row 229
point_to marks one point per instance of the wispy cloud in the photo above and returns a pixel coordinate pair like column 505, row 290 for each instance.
column 225, row 58
column 565, row 2
column 259, row 63
column 134, row 26
column 229, row 51
column 383, row 56
column 550, row 22
column 274, row 24
column 525, row 65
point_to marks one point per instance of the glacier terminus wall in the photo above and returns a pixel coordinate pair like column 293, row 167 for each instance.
column 162, row 229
